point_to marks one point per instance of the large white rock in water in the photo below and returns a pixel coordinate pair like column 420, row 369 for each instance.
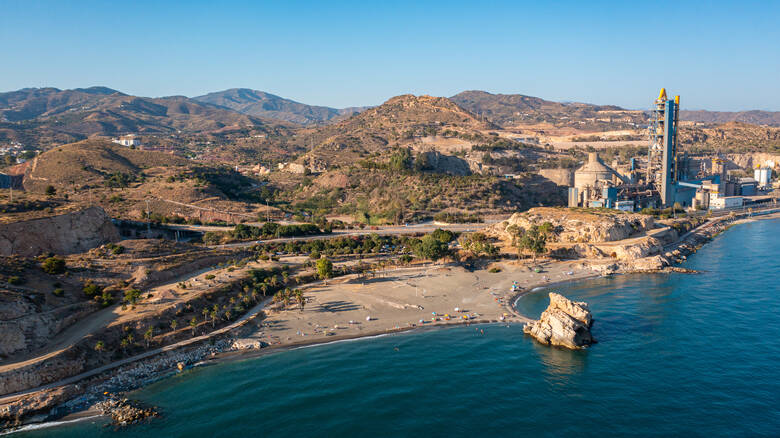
column 565, row 323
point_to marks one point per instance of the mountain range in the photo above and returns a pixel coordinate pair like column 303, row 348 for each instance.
column 45, row 116
column 262, row 104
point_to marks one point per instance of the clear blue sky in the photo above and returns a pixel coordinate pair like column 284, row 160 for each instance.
column 717, row 55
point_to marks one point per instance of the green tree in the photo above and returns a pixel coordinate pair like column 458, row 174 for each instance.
column 90, row 289
column 533, row 240
column 445, row 236
column 132, row 296
column 324, row 268
column 50, row 191
column 300, row 298
column 193, row 325
column 100, row 346
column 148, row 336
column 106, row 299
column 401, row 160
column 431, row 248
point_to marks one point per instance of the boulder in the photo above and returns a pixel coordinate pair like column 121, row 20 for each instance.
column 564, row 323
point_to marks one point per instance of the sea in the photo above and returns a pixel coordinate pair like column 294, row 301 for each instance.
column 677, row 355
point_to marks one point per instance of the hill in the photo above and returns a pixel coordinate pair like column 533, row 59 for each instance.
column 267, row 105
column 516, row 109
column 405, row 120
column 38, row 116
column 732, row 137
column 770, row 118
column 123, row 180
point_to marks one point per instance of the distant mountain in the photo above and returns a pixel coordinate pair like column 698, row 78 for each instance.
column 755, row 117
column 262, row 104
column 40, row 115
column 512, row 109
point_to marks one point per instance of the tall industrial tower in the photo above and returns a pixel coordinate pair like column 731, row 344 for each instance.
column 662, row 153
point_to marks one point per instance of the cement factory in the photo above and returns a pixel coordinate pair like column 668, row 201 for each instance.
column 665, row 178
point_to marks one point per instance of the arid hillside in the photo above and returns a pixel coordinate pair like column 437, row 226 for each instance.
column 267, row 105
column 730, row 138
column 516, row 109
column 37, row 116
column 124, row 180
column 755, row 117
column 402, row 120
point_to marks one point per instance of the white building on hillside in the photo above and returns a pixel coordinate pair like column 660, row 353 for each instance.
column 127, row 140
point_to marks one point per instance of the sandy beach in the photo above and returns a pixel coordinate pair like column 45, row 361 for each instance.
column 401, row 300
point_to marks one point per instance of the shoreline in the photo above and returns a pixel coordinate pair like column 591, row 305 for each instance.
column 508, row 305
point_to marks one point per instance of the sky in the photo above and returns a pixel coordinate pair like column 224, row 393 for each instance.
column 717, row 55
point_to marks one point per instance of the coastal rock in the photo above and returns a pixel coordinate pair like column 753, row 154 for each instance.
column 564, row 323
column 124, row 411
column 574, row 226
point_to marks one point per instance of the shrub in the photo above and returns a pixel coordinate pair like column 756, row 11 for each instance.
column 91, row 289
column 494, row 270
column 15, row 280
column 53, row 265
column 58, row 292
column 132, row 296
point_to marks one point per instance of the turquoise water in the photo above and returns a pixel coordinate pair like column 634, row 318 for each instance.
column 678, row 355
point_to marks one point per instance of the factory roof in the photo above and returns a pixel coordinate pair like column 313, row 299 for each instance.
column 594, row 164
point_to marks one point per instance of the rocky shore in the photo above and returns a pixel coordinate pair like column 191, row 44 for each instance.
column 124, row 412
column 52, row 404
column 564, row 323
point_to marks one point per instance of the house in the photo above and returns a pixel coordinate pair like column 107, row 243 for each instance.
column 127, row 140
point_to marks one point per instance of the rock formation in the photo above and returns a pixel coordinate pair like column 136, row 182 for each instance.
column 61, row 234
column 576, row 226
column 564, row 323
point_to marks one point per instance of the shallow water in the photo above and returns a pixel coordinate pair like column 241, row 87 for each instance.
column 677, row 355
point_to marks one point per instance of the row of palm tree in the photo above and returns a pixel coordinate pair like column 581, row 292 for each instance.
column 286, row 296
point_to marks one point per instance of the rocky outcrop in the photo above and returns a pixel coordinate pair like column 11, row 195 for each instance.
column 66, row 233
column 123, row 411
column 576, row 226
column 32, row 329
column 564, row 323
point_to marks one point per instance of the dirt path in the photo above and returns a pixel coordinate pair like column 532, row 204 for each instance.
column 115, row 315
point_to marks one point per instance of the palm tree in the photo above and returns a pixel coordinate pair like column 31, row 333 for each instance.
column 264, row 288
column 205, row 313
column 193, row 325
column 174, row 323
column 213, row 315
column 149, row 335
column 300, row 298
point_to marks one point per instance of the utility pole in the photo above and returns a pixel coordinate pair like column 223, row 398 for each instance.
column 148, row 221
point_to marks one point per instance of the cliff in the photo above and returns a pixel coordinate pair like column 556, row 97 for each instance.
column 564, row 323
column 67, row 233
column 577, row 225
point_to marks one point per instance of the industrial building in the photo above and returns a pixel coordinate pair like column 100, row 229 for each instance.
column 665, row 177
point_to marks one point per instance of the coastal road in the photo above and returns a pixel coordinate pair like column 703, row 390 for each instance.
column 424, row 227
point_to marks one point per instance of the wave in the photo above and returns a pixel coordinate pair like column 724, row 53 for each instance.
column 48, row 424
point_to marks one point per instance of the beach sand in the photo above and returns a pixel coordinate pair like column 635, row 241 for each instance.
column 397, row 300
